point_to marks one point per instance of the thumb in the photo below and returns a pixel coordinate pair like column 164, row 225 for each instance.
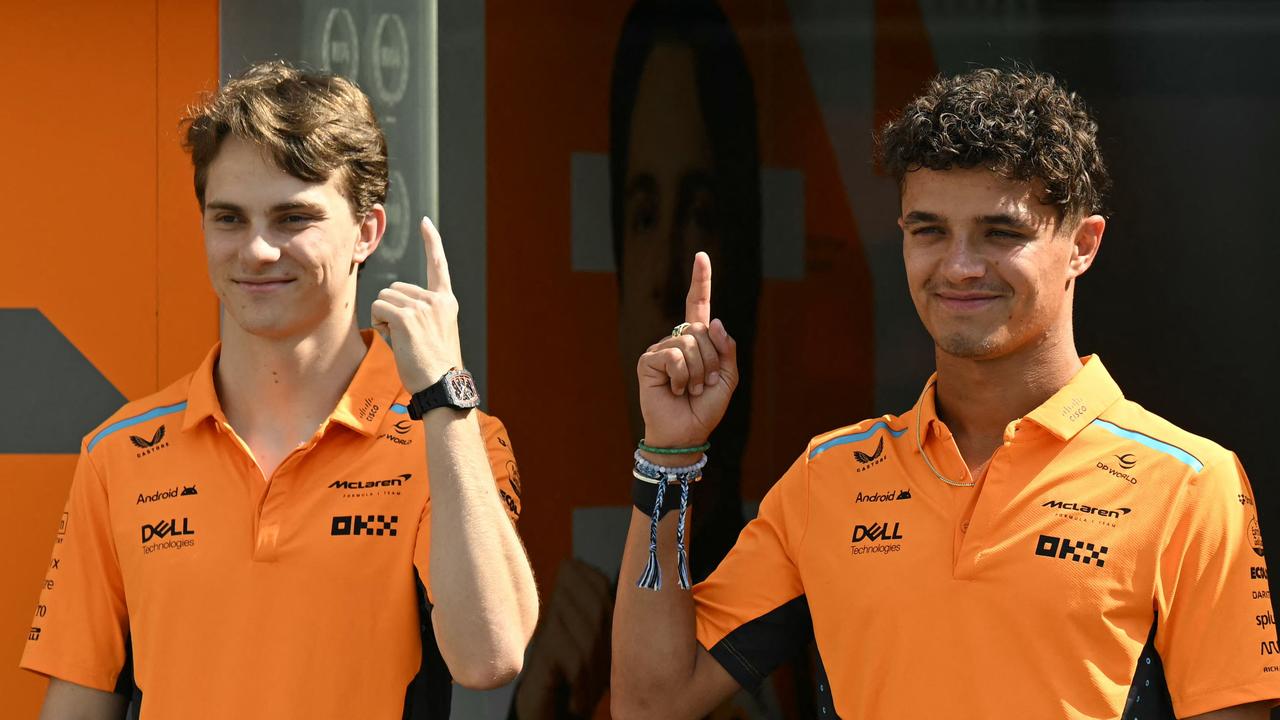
column 727, row 349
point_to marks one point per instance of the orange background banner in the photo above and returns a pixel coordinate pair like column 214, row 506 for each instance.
column 103, row 238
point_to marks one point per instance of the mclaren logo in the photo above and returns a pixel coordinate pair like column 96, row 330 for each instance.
column 370, row 484
column 1087, row 509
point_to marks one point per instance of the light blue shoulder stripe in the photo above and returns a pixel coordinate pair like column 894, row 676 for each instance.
column 1173, row 451
column 399, row 409
column 856, row 437
column 130, row 422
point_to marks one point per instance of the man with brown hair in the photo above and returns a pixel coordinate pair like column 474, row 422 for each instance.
column 1022, row 543
column 275, row 535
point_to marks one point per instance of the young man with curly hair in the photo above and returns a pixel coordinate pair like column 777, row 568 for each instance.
column 314, row 523
column 1023, row 542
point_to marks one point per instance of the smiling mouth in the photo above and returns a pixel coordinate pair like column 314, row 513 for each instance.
column 263, row 286
column 964, row 303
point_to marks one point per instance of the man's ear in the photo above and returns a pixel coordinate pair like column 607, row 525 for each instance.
column 371, row 230
column 1085, row 243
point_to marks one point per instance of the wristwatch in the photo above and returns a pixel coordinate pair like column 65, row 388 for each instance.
column 455, row 389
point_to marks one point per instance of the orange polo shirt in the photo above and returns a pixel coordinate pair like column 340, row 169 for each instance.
column 1107, row 564
column 307, row 596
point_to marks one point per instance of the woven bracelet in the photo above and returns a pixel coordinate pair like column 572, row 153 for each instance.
column 673, row 451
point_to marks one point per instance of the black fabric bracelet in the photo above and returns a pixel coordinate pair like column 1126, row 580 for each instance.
column 643, row 494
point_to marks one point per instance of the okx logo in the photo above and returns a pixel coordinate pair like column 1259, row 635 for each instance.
column 155, row 444
column 364, row 525
column 1073, row 550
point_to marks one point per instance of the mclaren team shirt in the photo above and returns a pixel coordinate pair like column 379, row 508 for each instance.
column 181, row 577
column 1107, row 565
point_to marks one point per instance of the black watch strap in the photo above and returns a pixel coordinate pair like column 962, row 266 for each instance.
column 455, row 389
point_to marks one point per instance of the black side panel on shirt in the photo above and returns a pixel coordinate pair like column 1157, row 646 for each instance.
column 1149, row 695
column 431, row 692
column 826, row 703
column 125, row 685
column 755, row 649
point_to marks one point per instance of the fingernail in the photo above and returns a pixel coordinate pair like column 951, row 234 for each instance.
column 713, row 378
column 697, row 389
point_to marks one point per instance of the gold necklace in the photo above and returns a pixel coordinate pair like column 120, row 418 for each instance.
column 920, row 445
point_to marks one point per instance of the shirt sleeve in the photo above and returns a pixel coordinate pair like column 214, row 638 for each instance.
column 752, row 614
column 506, row 475
column 502, row 460
column 1215, row 629
column 81, row 624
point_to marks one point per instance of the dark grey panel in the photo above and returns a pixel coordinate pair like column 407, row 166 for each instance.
column 52, row 395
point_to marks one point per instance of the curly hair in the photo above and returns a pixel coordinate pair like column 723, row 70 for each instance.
column 311, row 125
column 1020, row 124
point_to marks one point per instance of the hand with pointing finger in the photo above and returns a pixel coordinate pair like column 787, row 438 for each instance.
column 422, row 323
column 686, row 381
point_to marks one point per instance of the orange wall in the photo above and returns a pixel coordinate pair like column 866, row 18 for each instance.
column 102, row 234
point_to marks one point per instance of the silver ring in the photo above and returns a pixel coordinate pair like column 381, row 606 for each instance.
column 678, row 330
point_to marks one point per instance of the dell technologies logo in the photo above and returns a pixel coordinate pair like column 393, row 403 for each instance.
column 876, row 538
column 166, row 528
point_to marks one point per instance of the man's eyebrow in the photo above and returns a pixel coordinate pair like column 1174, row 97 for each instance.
column 920, row 216
column 1010, row 220
column 297, row 205
column 643, row 182
column 220, row 205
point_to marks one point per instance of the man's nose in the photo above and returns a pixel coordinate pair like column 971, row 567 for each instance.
column 259, row 248
column 962, row 260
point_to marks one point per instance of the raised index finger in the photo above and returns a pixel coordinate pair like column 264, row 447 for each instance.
column 437, row 265
column 697, row 307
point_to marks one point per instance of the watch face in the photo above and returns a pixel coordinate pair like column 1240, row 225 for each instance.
column 461, row 389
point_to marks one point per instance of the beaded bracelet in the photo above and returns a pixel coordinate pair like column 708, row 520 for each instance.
column 654, row 472
column 673, row 451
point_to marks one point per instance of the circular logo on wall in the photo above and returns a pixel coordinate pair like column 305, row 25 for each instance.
column 396, row 240
column 340, row 44
column 389, row 48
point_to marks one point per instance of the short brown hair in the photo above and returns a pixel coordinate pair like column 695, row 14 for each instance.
column 1020, row 124
column 311, row 125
